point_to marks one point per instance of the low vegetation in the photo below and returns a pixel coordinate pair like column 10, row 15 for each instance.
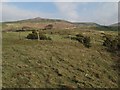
column 112, row 43
column 85, row 40
column 35, row 35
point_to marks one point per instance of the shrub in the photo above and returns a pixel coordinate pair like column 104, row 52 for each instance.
column 43, row 37
column 73, row 38
column 119, row 40
column 80, row 38
column 107, row 42
column 86, row 42
column 83, row 39
column 34, row 35
column 79, row 35
column 112, row 44
column 34, row 32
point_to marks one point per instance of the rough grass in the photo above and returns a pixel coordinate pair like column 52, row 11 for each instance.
column 57, row 63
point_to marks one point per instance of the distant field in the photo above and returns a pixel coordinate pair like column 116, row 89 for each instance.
column 56, row 63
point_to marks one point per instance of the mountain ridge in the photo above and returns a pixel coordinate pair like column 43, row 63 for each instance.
column 115, row 24
column 40, row 23
column 39, row 19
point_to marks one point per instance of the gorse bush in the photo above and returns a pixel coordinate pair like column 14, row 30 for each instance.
column 80, row 38
column 119, row 40
column 112, row 44
column 83, row 39
column 34, row 35
column 79, row 35
column 43, row 37
column 86, row 42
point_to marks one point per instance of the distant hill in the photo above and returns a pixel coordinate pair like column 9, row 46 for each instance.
column 116, row 24
column 40, row 23
column 38, row 20
column 86, row 24
column 37, row 23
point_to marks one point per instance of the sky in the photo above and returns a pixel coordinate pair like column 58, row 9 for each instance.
column 104, row 13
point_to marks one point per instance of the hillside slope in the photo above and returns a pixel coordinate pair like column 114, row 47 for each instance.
column 36, row 23
column 57, row 63
column 40, row 23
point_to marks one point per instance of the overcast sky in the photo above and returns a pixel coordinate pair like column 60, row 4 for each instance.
column 104, row 13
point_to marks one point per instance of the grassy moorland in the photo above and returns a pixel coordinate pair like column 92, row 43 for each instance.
column 60, row 62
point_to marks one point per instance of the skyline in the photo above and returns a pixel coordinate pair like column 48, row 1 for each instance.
column 104, row 13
